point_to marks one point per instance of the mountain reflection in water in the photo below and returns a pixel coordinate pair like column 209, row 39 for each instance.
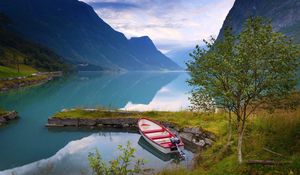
column 28, row 140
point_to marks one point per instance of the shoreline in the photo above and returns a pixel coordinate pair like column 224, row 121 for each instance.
column 194, row 137
column 8, row 84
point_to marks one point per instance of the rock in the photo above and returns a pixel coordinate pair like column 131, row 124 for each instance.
column 64, row 122
column 12, row 115
column 2, row 120
column 172, row 130
column 118, row 126
column 53, row 125
column 167, row 124
column 8, row 117
column 117, row 121
column 186, row 136
column 87, row 122
column 22, row 82
column 200, row 143
column 177, row 129
column 211, row 136
column 208, row 141
column 193, row 130
column 100, row 125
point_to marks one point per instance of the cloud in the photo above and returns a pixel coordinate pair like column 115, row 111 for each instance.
column 176, row 24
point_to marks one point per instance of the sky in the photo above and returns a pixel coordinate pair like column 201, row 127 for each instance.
column 171, row 24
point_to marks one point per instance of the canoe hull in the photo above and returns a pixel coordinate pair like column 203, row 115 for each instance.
column 161, row 149
column 158, row 136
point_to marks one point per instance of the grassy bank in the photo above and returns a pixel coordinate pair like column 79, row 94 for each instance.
column 211, row 122
column 16, row 83
column 8, row 72
column 11, row 78
column 278, row 131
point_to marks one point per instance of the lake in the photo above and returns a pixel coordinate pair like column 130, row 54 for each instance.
column 28, row 147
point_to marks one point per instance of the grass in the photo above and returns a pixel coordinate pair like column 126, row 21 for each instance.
column 212, row 122
column 278, row 131
column 8, row 72
column 30, row 80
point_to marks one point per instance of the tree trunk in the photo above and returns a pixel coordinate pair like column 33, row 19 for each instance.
column 18, row 67
column 17, row 63
column 240, row 142
column 241, row 129
column 229, row 128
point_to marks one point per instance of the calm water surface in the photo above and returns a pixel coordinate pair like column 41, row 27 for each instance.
column 27, row 147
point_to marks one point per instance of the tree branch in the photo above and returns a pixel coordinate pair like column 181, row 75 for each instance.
column 270, row 151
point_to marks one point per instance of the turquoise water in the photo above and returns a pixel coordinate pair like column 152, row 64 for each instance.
column 28, row 143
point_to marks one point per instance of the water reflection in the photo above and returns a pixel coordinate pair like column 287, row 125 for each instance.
column 72, row 159
column 172, row 97
column 147, row 146
column 27, row 140
column 93, row 89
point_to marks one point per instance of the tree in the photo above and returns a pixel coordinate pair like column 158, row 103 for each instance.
column 242, row 72
column 17, row 61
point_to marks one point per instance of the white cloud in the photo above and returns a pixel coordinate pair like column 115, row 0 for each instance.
column 170, row 24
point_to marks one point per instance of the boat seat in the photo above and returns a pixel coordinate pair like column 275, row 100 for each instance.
column 160, row 137
column 166, row 144
column 157, row 134
column 169, row 144
column 154, row 130
column 145, row 124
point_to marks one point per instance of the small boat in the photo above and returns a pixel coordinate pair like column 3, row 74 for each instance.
column 160, row 137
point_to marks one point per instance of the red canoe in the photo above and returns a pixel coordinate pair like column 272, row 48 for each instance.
column 159, row 136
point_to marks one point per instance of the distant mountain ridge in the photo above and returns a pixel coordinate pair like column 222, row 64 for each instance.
column 285, row 15
column 73, row 30
column 181, row 56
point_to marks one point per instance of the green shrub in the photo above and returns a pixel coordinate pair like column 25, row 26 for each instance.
column 124, row 164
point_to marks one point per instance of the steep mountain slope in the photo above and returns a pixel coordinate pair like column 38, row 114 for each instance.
column 145, row 49
column 15, row 50
column 285, row 15
column 74, row 30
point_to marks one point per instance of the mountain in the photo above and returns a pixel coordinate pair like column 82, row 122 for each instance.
column 145, row 49
column 73, row 30
column 285, row 15
column 13, row 47
column 180, row 56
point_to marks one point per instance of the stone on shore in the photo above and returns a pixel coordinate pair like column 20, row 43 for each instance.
column 8, row 117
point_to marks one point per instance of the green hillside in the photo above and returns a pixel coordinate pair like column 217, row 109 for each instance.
column 17, row 53
column 11, row 72
column 77, row 33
